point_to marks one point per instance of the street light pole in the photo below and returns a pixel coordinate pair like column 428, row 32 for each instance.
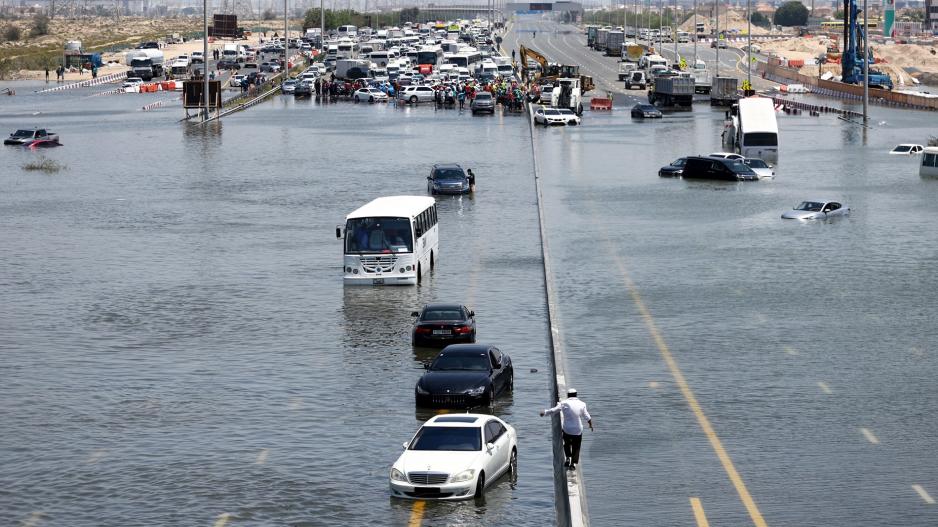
column 866, row 63
column 695, row 33
column 717, row 35
column 322, row 26
column 205, row 59
column 749, row 42
column 285, row 70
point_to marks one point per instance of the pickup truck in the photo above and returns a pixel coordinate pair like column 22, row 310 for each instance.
column 25, row 137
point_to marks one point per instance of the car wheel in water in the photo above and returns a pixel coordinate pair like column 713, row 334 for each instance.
column 413, row 99
column 371, row 99
column 480, row 485
column 432, row 261
column 511, row 382
column 513, row 463
column 419, row 274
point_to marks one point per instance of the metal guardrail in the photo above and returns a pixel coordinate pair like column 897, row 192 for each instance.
column 90, row 82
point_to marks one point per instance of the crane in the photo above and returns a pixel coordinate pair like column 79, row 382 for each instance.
column 855, row 47
column 551, row 71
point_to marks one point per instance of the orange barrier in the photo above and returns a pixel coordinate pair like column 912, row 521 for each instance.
column 597, row 103
column 795, row 63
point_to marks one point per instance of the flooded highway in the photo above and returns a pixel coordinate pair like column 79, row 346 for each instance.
column 178, row 343
column 768, row 372
column 179, row 348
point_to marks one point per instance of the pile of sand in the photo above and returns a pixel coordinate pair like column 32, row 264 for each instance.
column 803, row 48
column 732, row 20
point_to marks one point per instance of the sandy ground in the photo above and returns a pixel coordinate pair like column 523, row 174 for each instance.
column 895, row 58
column 127, row 30
column 731, row 20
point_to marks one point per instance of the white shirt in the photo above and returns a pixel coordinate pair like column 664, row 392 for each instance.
column 571, row 411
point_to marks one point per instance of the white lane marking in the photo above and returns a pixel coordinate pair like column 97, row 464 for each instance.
column 296, row 403
column 790, row 350
column 261, row 457
column 923, row 494
column 222, row 520
column 33, row 520
column 653, row 385
column 868, row 434
column 96, row 456
column 824, row 387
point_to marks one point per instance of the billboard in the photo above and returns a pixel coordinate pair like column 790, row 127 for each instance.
column 224, row 26
column 192, row 94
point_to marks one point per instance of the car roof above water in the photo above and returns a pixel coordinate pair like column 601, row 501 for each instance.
column 458, row 420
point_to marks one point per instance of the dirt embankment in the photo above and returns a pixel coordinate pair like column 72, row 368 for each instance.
column 733, row 21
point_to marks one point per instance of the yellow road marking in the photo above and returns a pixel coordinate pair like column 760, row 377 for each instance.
column 923, row 494
column 296, row 403
column 790, row 350
column 222, row 520
column 261, row 457
column 416, row 515
column 653, row 385
column 869, row 436
column 33, row 520
column 691, row 399
column 699, row 513
column 824, row 387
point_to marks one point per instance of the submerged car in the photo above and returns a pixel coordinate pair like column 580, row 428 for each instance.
column 817, row 210
column 448, row 179
column 482, row 102
column 370, row 95
column 642, row 111
column 27, row 137
column 675, row 169
column 907, row 150
column 760, row 167
column 444, row 324
column 717, row 168
column 455, row 457
column 465, row 375
column 548, row 116
column 727, row 155
column 288, row 86
column 303, row 89
column 572, row 119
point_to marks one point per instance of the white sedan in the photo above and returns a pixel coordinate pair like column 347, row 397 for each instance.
column 550, row 116
column 455, row 457
column 370, row 95
column 817, row 210
column 907, row 150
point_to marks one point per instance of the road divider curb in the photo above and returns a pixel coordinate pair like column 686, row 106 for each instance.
column 570, row 491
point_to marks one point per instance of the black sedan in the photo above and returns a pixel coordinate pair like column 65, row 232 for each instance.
column 226, row 64
column 465, row 375
column 642, row 111
column 675, row 169
column 442, row 324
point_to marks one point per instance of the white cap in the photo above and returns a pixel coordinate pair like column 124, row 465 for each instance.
column 571, row 392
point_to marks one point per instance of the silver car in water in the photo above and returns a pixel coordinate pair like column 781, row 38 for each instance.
column 817, row 210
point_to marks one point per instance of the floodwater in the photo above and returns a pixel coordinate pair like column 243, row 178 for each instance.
column 177, row 342
column 807, row 347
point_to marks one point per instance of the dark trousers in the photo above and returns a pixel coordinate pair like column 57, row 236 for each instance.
column 571, row 447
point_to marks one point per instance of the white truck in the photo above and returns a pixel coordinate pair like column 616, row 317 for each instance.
column 234, row 52
column 702, row 78
column 625, row 68
column 567, row 93
column 352, row 69
column 145, row 63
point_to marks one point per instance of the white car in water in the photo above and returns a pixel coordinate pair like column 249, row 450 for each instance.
column 907, row 150
column 370, row 95
column 760, row 167
column 817, row 210
column 455, row 457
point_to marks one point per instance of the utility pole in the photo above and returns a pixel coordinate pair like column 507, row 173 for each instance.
column 749, row 42
column 695, row 33
column 717, row 35
column 866, row 64
column 322, row 26
column 205, row 59
column 285, row 70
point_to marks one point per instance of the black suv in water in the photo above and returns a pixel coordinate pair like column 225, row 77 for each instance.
column 449, row 178
column 717, row 168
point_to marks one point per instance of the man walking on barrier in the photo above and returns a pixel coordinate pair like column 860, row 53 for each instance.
column 572, row 410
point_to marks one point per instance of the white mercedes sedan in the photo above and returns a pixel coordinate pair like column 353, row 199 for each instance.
column 817, row 210
column 455, row 457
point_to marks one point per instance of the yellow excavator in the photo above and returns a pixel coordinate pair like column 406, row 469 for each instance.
column 551, row 71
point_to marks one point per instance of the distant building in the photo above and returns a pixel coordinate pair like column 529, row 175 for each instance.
column 931, row 15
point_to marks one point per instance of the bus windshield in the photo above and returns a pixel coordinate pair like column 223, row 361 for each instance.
column 760, row 139
column 378, row 235
column 426, row 57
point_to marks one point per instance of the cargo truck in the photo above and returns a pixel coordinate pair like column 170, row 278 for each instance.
column 145, row 63
column 591, row 35
column 701, row 75
column 601, row 36
column 614, row 42
column 672, row 91
column 724, row 91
